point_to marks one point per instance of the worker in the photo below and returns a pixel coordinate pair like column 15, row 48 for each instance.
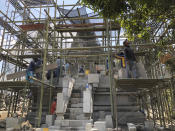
column 130, row 60
column 30, row 70
column 38, row 64
column 48, row 75
column 67, row 70
column 53, row 106
column 58, row 61
column 81, row 70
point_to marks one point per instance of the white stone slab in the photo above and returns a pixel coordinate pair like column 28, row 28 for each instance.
column 57, row 123
column 94, row 129
column 93, row 78
column 88, row 127
column 60, row 103
column 49, row 120
column 76, row 123
column 109, row 123
column 100, row 125
column 131, row 127
column 10, row 129
column 65, row 123
column 122, row 73
column 65, row 82
column 87, row 101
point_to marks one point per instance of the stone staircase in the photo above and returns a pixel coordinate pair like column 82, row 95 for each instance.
column 74, row 117
column 75, row 106
column 127, row 105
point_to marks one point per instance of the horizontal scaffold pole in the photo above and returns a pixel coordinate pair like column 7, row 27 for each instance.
column 102, row 28
column 94, row 47
column 58, row 19
column 39, row 81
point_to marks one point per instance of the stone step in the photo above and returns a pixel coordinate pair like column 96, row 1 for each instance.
column 121, row 100
column 79, row 105
column 75, row 110
column 130, row 117
column 118, row 93
column 119, row 108
column 68, row 116
column 107, row 91
column 81, row 79
column 73, row 128
column 76, row 91
column 76, row 100
column 119, row 103
column 76, row 95
column 104, row 82
column 123, row 117
column 99, row 89
column 71, row 123
column 53, row 128
column 80, row 85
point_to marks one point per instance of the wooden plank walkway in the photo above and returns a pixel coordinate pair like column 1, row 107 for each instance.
column 23, row 73
column 15, row 85
column 138, row 83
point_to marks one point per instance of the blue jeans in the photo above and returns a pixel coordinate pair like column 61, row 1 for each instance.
column 131, row 69
column 58, row 72
column 28, row 74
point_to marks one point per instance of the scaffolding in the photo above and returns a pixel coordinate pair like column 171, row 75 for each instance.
column 31, row 29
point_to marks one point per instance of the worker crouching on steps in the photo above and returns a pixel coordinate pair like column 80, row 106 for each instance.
column 30, row 70
column 130, row 61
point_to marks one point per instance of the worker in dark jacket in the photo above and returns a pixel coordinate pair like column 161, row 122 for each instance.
column 38, row 64
column 30, row 70
column 130, row 60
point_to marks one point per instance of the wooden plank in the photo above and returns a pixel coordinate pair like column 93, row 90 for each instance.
column 131, row 83
column 79, row 25
column 30, row 27
column 23, row 73
column 102, row 28
column 16, row 75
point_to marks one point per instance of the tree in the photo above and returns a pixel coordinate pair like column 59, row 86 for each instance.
column 139, row 18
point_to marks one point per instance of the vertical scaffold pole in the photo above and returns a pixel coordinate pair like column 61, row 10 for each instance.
column 111, row 79
column 43, row 75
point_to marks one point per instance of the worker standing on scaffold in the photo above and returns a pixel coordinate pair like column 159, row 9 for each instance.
column 130, row 60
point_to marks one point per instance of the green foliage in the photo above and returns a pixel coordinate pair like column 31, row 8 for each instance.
column 134, row 15
column 107, row 8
